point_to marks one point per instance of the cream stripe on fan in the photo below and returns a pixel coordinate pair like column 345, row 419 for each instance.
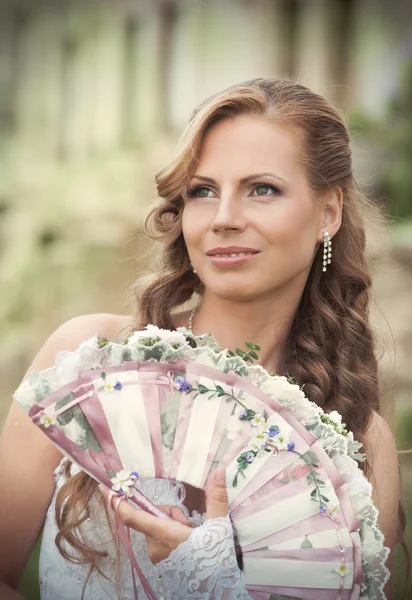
column 283, row 514
column 128, row 424
column 259, row 461
column 199, row 436
column 292, row 573
column 320, row 539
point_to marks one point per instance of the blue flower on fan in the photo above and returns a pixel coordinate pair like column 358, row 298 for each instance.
column 182, row 384
column 249, row 457
column 322, row 509
column 291, row 446
column 273, row 431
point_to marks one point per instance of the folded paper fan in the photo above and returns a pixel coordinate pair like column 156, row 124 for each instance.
column 168, row 404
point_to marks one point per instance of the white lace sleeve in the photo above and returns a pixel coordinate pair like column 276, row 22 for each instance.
column 202, row 568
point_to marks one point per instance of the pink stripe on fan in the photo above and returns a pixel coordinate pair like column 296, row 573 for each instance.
column 78, row 388
column 346, row 505
column 296, row 470
column 94, row 413
column 223, row 416
column 182, row 425
column 304, row 554
column 358, row 575
column 138, row 365
column 269, row 470
column 152, row 395
column 237, row 446
column 199, row 370
column 262, row 592
column 245, row 384
column 312, row 524
column 288, row 491
column 300, row 429
column 83, row 459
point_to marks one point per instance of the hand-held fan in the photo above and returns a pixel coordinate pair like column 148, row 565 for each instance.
column 168, row 404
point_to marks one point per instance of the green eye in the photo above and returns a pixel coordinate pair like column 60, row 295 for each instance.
column 202, row 192
column 263, row 190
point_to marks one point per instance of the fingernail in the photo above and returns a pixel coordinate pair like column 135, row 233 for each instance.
column 220, row 476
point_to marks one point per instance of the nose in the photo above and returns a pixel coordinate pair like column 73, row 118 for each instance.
column 228, row 215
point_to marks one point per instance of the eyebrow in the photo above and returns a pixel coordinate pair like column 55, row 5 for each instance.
column 243, row 180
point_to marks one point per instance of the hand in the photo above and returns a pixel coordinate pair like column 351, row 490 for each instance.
column 163, row 536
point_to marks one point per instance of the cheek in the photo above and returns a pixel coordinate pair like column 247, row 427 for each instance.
column 193, row 226
column 292, row 237
column 196, row 220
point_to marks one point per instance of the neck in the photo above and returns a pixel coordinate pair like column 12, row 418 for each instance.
column 266, row 322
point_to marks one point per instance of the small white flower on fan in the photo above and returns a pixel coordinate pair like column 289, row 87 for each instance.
column 342, row 570
column 258, row 420
column 261, row 437
column 110, row 383
column 109, row 387
column 47, row 420
column 334, row 510
column 122, row 483
column 255, row 447
column 281, row 442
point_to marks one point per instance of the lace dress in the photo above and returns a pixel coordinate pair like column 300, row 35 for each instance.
column 202, row 568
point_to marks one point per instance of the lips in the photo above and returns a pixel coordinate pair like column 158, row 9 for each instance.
column 231, row 256
column 232, row 251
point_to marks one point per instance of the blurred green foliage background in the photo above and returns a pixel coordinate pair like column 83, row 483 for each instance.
column 93, row 96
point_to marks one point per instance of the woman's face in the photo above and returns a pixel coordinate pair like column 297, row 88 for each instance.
column 249, row 196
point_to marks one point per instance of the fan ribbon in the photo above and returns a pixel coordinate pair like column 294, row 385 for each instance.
column 126, row 541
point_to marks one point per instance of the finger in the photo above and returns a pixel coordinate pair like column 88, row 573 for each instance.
column 176, row 514
column 144, row 522
column 217, row 504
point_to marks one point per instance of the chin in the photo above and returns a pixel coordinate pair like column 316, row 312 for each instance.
column 236, row 291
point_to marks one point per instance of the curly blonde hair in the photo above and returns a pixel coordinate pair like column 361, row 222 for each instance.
column 331, row 347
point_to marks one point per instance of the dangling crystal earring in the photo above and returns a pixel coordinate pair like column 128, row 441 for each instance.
column 327, row 250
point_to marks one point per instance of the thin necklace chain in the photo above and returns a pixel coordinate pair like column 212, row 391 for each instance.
column 192, row 314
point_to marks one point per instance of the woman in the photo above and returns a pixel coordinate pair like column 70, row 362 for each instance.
column 261, row 181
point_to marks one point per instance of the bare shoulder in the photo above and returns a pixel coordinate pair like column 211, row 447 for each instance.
column 379, row 436
column 381, row 452
column 76, row 330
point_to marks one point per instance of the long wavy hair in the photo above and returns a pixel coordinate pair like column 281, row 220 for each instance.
column 331, row 348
